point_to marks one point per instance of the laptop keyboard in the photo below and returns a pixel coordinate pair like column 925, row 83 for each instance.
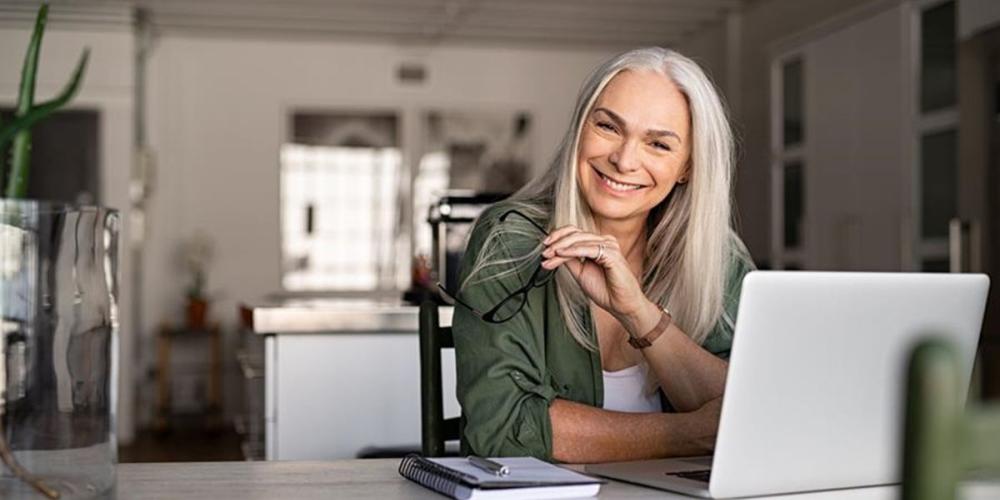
column 694, row 475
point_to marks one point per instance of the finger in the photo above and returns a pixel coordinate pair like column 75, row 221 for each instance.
column 579, row 233
column 606, row 245
column 559, row 233
column 588, row 250
column 570, row 240
column 574, row 265
column 555, row 262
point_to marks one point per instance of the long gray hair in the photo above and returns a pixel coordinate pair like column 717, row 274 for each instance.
column 689, row 235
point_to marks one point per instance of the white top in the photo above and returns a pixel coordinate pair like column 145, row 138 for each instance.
column 623, row 391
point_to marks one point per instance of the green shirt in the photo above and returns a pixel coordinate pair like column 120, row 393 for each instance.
column 509, row 373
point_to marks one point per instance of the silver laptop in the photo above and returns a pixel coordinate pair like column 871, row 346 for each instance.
column 815, row 388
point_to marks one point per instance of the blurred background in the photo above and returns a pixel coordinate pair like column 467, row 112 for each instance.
column 287, row 167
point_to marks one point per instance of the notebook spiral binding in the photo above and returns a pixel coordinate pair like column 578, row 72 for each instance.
column 432, row 475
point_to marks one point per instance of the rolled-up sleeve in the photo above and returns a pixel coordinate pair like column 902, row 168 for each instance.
column 720, row 341
column 503, row 385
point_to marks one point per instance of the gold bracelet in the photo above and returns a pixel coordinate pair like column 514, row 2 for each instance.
column 647, row 340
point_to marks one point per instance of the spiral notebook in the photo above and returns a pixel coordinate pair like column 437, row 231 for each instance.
column 529, row 478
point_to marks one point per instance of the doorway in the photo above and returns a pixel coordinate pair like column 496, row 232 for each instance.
column 988, row 44
column 64, row 157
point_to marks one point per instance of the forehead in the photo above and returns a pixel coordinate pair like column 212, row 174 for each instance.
column 646, row 99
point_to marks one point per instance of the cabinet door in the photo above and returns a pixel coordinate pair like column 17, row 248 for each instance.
column 334, row 394
column 857, row 179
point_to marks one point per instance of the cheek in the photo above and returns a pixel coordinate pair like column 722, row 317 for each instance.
column 584, row 179
column 594, row 143
column 589, row 147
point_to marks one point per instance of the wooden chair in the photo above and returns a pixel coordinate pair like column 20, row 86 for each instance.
column 942, row 439
column 434, row 428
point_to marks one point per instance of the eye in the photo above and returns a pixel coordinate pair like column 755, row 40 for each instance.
column 661, row 146
column 606, row 126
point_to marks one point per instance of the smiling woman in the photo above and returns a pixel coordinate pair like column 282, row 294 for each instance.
column 631, row 147
column 622, row 355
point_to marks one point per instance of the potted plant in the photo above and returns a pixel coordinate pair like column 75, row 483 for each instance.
column 58, row 300
column 195, row 256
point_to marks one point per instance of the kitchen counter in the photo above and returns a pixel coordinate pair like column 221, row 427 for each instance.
column 337, row 316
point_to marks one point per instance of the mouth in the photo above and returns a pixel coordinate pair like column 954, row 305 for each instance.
column 617, row 186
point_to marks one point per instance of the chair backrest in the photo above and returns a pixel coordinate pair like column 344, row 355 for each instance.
column 943, row 437
column 434, row 428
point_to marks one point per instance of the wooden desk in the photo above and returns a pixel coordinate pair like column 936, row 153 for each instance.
column 374, row 479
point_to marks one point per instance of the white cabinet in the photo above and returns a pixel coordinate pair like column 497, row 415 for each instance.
column 330, row 394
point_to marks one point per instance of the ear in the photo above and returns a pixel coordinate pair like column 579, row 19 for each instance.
column 686, row 174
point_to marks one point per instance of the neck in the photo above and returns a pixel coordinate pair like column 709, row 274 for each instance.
column 631, row 236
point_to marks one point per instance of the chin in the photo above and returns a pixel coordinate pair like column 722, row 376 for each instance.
column 615, row 209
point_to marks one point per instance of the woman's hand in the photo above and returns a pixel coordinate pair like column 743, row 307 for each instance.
column 599, row 267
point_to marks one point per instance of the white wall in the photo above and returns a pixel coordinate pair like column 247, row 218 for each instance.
column 108, row 88
column 217, row 116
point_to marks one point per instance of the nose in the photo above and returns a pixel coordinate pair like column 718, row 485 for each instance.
column 625, row 158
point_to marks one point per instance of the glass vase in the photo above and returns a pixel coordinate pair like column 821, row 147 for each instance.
column 58, row 349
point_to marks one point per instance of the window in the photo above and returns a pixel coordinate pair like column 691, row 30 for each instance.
column 938, row 154
column 472, row 150
column 339, row 182
column 936, row 141
column 788, row 165
column 793, row 108
column 65, row 152
column 793, row 188
column 938, row 80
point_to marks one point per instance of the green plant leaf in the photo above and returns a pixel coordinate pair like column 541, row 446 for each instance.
column 20, row 154
column 18, row 182
column 26, row 96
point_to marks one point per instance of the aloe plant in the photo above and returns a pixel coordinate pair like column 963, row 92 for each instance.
column 19, row 130
column 28, row 113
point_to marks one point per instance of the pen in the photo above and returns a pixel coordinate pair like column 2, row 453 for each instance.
column 489, row 465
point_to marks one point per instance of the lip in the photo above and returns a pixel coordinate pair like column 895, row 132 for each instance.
column 604, row 185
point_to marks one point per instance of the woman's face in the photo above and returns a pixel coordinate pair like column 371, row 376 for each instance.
column 634, row 146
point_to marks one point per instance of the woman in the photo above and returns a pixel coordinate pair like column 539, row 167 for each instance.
column 614, row 274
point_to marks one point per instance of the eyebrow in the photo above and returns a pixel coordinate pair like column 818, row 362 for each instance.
column 651, row 132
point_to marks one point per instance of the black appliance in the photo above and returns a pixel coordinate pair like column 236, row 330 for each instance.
column 451, row 219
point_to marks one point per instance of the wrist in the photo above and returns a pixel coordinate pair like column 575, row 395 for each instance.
column 642, row 319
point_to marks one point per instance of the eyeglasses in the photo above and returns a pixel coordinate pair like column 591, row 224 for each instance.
column 513, row 303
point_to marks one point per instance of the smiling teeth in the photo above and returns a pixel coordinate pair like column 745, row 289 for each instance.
column 617, row 186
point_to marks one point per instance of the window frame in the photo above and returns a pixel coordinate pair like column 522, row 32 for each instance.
column 781, row 156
